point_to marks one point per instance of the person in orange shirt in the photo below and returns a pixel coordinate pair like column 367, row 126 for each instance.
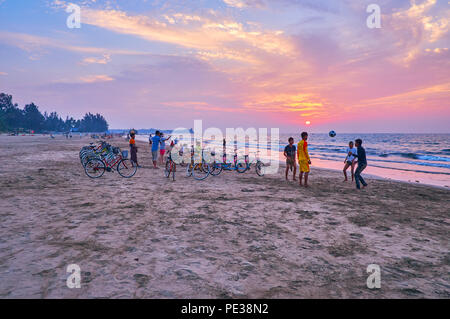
column 303, row 158
column 133, row 149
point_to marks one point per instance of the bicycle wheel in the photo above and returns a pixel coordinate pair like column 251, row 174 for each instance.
column 126, row 168
column 189, row 170
column 167, row 169
column 200, row 171
column 241, row 168
column 215, row 169
column 260, row 169
column 95, row 168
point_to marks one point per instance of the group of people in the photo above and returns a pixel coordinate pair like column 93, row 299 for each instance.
column 157, row 144
column 355, row 154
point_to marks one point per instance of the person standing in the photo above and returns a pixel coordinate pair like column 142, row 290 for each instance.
column 362, row 163
column 162, row 147
column 155, row 147
column 133, row 149
column 350, row 160
column 289, row 153
column 303, row 158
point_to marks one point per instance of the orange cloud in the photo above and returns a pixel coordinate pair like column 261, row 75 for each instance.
column 92, row 60
column 194, row 32
column 96, row 78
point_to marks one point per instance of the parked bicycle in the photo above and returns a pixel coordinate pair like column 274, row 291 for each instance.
column 217, row 167
column 93, row 151
column 97, row 160
column 259, row 166
column 199, row 171
column 171, row 167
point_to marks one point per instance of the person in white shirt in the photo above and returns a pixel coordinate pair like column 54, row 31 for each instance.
column 350, row 160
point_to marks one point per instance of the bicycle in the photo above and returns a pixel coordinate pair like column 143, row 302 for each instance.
column 259, row 166
column 199, row 171
column 170, row 167
column 96, row 167
column 89, row 152
column 217, row 168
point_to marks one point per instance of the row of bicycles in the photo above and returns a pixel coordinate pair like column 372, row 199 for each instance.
column 200, row 170
column 97, row 159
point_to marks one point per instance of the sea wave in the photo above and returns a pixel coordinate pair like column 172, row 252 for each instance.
column 429, row 164
column 420, row 157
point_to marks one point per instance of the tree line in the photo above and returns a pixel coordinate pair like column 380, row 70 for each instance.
column 12, row 118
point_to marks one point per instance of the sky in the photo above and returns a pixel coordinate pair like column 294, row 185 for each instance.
column 233, row 63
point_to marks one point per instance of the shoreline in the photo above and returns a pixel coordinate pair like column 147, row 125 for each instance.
column 282, row 163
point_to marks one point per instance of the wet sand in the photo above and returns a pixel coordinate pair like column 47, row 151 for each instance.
column 232, row 236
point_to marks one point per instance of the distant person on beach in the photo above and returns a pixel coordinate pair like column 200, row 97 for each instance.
column 133, row 149
column 303, row 158
column 162, row 147
column 289, row 153
column 155, row 147
column 350, row 160
column 362, row 163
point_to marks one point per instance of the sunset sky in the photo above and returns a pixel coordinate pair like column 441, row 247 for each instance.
column 233, row 63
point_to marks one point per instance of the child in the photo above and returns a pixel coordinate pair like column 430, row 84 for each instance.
column 162, row 147
column 289, row 153
column 362, row 163
column 350, row 160
column 303, row 158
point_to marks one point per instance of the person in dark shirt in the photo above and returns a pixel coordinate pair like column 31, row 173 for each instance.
column 362, row 163
column 289, row 153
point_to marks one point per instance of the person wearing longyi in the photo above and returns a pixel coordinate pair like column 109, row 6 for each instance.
column 133, row 149
column 303, row 158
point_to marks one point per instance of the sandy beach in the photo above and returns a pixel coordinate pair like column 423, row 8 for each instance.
column 232, row 236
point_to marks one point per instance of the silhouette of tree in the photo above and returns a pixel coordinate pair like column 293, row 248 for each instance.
column 33, row 119
column 12, row 118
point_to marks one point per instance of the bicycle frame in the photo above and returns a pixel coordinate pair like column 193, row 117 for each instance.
column 229, row 166
column 114, row 161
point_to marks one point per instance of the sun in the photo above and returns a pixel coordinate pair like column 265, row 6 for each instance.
column 308, row 122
